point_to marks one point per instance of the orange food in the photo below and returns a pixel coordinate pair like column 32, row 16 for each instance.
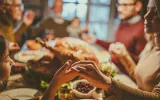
column 32, row 45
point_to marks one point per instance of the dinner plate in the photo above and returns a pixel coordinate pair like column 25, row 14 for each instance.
column 103, row 56
column 24, row 56
column 20, row 94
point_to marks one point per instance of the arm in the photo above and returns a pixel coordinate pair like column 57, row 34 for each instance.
column 102, row 43
column 62, row 75
column 123, row 92
column 90, row 71
column 51, row 91
column 120, row 51
column 128, row 64
column 27, row 21
column 18, row 31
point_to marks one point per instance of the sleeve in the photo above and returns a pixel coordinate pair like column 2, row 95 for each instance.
column 102, row 43
column 19, row 30
column 123, row 92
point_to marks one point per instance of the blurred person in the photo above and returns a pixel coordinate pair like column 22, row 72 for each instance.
column 6, row 64
column 74, row 28
column 130, row 31
column 150, row 60
column 11, row 11
column 146, row 73
column 56, row 24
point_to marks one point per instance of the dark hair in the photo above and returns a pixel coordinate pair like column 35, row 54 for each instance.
column 3, row 46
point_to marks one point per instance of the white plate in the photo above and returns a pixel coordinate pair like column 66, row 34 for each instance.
column 24, row 56
column 20, row 94
column 103, row 56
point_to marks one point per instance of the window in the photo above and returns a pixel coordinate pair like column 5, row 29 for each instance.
column 96, row 12
column 75, row 8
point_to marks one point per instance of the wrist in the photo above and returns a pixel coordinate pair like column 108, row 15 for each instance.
column 107, row 83
column 55, row 82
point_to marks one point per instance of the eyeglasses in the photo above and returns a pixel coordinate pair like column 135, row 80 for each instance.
column 16, row 5
column 125, row 5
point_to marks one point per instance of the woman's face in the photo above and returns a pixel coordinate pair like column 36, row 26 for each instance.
column 5, row 66
column 152, row 21
column 16, row 10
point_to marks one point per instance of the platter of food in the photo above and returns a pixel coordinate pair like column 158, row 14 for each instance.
column 25, row 56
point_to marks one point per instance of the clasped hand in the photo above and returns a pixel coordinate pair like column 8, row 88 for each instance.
column 85, row 69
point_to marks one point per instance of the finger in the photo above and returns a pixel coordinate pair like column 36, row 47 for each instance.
column 87, row 67
column 83, row 62
column 77, row 69
column 66, row 65
column 80, row 68
column 74, row 69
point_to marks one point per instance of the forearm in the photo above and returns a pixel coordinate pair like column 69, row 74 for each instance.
column 102, row 43
column 51, row 91
column 20, row 30
column 129, row 64
column 123, row 92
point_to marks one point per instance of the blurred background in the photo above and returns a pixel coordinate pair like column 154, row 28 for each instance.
column 100, row 15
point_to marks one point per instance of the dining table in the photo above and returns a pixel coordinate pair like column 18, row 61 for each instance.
column 17, row 80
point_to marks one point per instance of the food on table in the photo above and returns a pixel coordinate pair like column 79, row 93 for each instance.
column 107, row 70
column 25, row 56
column 84, row 87
column 71, row 49
column 44, row 84
column 65, row 92
column 32, row 45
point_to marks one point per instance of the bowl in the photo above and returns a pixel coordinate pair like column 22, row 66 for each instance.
column 79, row 94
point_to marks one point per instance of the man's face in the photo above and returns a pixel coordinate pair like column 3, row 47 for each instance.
column 126, row 9
column 16, row 9
column 58, row 7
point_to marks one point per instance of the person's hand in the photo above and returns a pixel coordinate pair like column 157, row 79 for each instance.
column 13, row 47
column 28, row 17
column 91, row 39
column 118, row 49
column 90, row 71
column 64, row 74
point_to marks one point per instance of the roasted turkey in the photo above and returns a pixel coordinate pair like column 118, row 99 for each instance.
column 71, row 49
column 65, row 49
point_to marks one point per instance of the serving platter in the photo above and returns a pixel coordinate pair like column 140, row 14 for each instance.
column 20, row 94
